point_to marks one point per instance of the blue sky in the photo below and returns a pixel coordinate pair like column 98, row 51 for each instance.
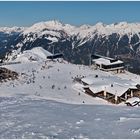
column 76, row 13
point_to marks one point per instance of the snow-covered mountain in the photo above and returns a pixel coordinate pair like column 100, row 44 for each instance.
column 7, row 37
column 8, row 30
column 35, row 54
column 77, row 43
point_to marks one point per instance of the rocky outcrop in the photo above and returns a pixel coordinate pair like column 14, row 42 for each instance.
column 6, row 74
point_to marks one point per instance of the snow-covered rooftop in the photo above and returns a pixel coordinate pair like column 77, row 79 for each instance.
column 112, row 84
column 132, row 100
column 117, row 90
column 107, row 79
column 106, row 61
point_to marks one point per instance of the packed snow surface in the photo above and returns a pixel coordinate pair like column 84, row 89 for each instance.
column 22, row 117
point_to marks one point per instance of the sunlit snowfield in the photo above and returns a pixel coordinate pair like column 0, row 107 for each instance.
column 22, row 117
column 47, row 103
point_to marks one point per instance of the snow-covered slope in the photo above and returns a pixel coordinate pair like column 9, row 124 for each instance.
column 35, row 54
column 28, row 106
column 54, row 79
column 41, row 52
column 27, row 118
column 50, row 80
column 47, row 79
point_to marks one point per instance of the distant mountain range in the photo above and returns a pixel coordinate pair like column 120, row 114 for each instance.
column 76, row 43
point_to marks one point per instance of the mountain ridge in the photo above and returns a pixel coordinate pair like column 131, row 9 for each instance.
column 77, row 43
column 56, row 23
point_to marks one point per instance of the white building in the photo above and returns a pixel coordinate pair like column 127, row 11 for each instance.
column 109, row 64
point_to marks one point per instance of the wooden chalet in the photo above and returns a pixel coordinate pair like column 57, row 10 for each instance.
column 112, row 89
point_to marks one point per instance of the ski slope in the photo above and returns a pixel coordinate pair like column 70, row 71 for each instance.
column 54, row 79
column 46, row 102
column 55, row 73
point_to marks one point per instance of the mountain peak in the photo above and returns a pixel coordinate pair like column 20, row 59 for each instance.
column 100, row 24
column 85, row 26
column 47, row 24
column 54, row 23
